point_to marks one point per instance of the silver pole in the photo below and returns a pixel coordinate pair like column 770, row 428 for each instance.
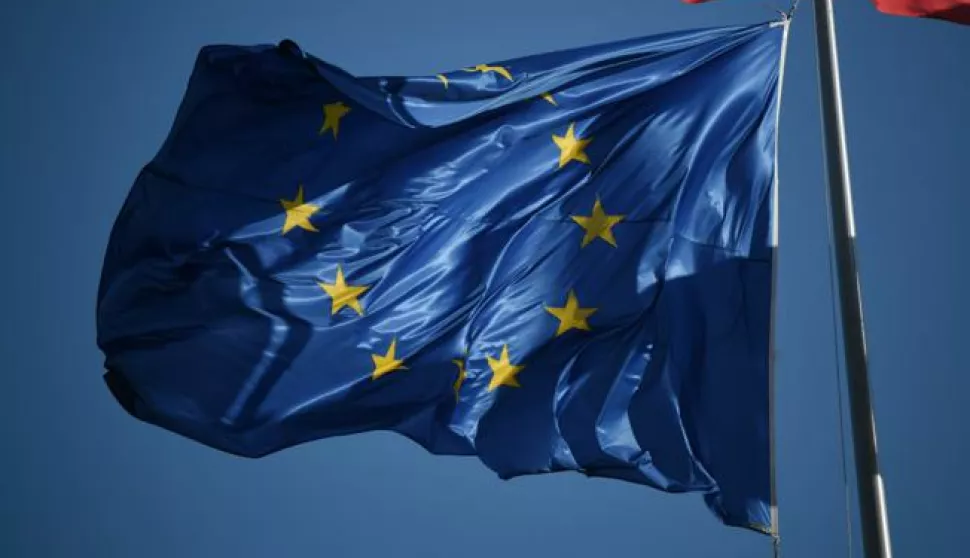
column 872, row 498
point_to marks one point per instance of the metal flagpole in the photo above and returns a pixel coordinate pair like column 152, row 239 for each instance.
column 872, row 499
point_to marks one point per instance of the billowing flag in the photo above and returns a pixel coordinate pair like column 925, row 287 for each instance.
column 957, row 11
column 560, row 262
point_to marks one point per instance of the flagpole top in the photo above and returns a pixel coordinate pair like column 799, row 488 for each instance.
column 786, row 15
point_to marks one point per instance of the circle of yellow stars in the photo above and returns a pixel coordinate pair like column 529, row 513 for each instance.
column 504, row 371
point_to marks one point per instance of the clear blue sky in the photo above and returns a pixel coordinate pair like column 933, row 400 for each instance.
column 88, row 95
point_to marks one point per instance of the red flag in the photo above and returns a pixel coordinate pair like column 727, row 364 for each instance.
column 957, row 11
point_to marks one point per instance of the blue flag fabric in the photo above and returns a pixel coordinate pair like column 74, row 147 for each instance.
column 560, row 262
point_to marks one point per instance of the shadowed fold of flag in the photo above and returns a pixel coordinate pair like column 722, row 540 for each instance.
column 560, row 262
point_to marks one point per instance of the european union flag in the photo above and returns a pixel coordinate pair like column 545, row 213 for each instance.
column 561, row 262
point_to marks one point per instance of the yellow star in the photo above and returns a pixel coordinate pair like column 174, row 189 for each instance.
column 548, row 97
column 332, row 113
column 343, row 294
column 598, row 225
column 571, row 316
column 486, row 68
column 386, row 363
column 298, row 213
column 503, row 371
column 571, row 148
column 444, row 79
column 461, row 375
